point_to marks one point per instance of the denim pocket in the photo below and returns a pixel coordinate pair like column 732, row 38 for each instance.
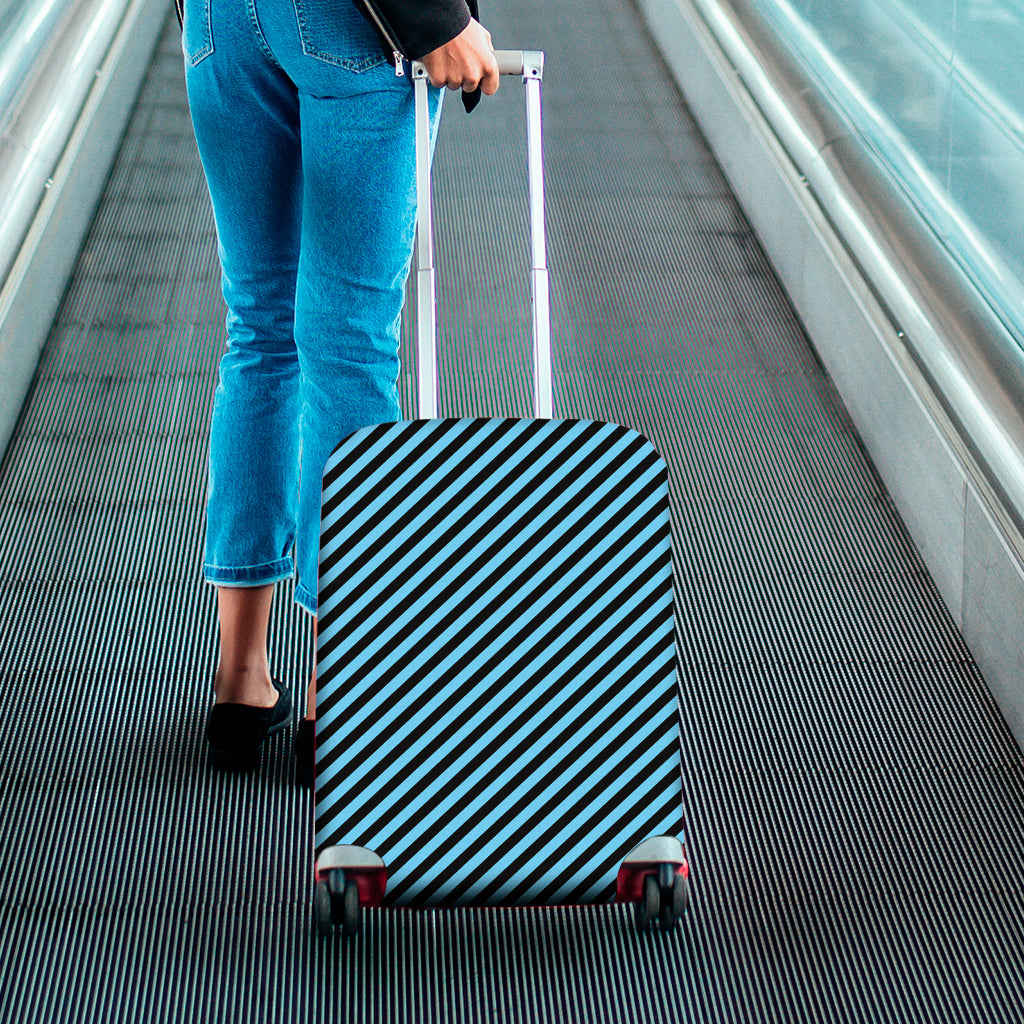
column 196, row 35
column 336, row 33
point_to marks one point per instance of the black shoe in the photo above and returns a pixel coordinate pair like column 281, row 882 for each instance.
column 305, row 742
column 236, row 731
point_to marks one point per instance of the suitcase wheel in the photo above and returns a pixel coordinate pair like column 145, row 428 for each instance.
column 346, row 878
column 346, row 908
column 675, row 902
column 322, row 909
column 648, row 908
column 655, row 878
column 665, row 898
column 336, row 901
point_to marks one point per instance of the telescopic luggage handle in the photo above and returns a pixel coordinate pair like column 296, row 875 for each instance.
column 530, row 65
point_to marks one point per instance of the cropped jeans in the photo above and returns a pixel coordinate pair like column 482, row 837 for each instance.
column 306, row 138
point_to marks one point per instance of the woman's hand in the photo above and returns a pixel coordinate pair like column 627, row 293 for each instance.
column 467, row 61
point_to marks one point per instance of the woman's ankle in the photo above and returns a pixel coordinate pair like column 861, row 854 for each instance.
column 245, row 686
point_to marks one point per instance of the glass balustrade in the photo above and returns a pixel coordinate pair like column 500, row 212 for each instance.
column 936, row 89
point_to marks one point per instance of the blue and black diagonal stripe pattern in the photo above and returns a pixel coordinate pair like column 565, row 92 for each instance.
column 496, row 705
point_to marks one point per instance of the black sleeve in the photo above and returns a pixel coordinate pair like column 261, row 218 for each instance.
column 424, row 25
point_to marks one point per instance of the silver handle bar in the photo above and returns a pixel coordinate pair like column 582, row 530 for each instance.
column 530, row 65
column 525, row 63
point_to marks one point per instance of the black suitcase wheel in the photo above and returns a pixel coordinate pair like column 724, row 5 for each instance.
column 336, row 901
column 675, row 901
column 322, row 909
column 681, row 894
column 668, row 915
column 650, row 903
column 350, row 914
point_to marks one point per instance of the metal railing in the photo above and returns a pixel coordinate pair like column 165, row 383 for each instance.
column 69, row 73
column 951, row 292
column 51, row 56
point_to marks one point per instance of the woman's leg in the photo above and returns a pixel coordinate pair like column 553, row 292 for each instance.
column 358, row 226
column 311, row 691
column 243, row 675
column 245, row 115
column 359, row 204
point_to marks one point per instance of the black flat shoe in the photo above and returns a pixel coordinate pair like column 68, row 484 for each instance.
column 236, row 731
column 305, row 741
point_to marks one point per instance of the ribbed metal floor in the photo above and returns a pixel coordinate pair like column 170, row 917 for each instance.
column 855, row 805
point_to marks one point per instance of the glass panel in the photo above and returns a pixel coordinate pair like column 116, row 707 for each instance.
column 26, row 26
column 936, row 88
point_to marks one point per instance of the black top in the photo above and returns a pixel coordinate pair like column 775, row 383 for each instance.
column 420, row 26
column 424, row 25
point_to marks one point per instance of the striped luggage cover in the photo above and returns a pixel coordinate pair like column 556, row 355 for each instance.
column 496, row 682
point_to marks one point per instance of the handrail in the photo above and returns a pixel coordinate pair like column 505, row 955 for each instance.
column 28, row 27
column 66, row 98
column 970, row 358
column 48, row 97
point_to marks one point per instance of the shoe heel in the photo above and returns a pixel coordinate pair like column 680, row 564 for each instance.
column 305, row 745
column 234, row 760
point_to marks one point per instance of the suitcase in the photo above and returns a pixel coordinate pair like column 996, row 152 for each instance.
column 497, row 717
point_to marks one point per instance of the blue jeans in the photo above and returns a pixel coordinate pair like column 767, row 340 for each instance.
column 306, row 138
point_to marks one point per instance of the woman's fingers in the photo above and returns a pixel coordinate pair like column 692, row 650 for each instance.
column 466, row 62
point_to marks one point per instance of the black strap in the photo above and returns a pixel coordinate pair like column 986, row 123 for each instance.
column 471, row 99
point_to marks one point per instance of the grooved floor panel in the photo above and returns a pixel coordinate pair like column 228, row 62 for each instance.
column 854, row 802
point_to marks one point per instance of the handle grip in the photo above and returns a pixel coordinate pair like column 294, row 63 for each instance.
column 525, row 63
column 528, row 63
